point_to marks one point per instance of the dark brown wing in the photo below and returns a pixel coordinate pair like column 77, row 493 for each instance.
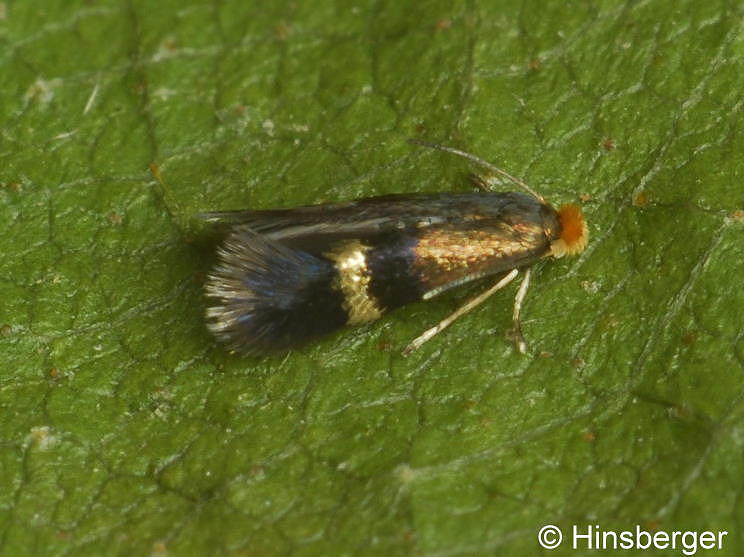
column 416, row 245
column 373, row 216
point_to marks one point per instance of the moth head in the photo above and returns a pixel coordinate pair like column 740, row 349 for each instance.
column 574, row 232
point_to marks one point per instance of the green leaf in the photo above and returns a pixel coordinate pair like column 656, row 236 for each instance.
column 126, row 430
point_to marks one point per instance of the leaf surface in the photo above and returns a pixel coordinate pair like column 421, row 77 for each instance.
column 126, row 430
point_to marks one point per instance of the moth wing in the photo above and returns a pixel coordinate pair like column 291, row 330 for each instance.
column 316, row 228
column 362, row 218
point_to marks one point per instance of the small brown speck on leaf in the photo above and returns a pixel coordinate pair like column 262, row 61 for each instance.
column 384, row 346
column 115, row 219
column 155, row 170
column 589, row 436
column 689, row 338
column 680, row 412
column 640, row 199
column 611, row 322
column 282, row 30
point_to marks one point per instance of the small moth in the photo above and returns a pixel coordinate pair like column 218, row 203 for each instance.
column 287, row 276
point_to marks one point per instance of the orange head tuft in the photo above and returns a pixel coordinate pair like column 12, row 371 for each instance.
column 574, row 232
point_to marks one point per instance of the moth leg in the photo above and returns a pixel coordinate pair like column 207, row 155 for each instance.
column 486, row 182
column 518, row 299
column 481, row 182
column 416, row 343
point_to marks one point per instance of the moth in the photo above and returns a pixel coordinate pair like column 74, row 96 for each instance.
column 287, row 276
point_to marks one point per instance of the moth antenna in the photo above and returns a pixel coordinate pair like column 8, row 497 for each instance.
column 480, row 161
